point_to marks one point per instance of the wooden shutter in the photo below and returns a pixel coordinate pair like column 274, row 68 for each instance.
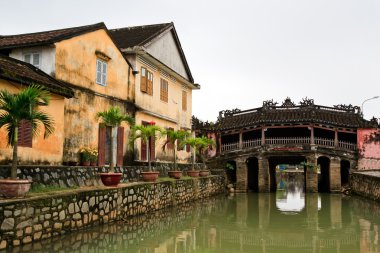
column 164, row 90
column 178, row 145
column 149, row 83
column 152, row 149
column 143, row 80
column 143, row 151
column 184, row 100
column 102, row 145
column 104, row 73
column 120, row 143
column 25, row 136
column 187, row 148
column 98, row 71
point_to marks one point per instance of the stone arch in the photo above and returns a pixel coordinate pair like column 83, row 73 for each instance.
column 324, row 177
column 253, row 174
column 344, row 172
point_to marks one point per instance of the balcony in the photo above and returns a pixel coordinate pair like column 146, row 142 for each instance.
column 323, row 142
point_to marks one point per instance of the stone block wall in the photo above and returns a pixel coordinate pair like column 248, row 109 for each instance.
column 25, row 220
column 366, row 184
column 68, row 176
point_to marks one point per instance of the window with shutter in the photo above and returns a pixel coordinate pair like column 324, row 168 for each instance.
column 164, row 90
column 25, row 137
column 143, row 80
column 101, row 72
column 184, row 100
column 33, row 58
column 149, row 83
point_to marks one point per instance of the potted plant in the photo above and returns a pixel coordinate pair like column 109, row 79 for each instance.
column 86, row 156
column 94, row 157
column 203, row 143
column 15, row 108
column 146, row 133
column 198, row 144
column 173, row 136
column 113, row 118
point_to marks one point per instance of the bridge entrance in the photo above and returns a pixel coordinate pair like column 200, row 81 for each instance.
column 285, row 166
column 253, row 174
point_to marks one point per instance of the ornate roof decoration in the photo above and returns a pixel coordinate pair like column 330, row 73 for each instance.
column 307, row 102
column 269, row 104
column 349, row 108
column 289, row 113
column 288, row 103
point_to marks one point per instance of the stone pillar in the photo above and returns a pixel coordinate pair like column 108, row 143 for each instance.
column 241, row 175
column 241, row 140
column 336, row 211
column 311, row 203
column 264, row 185
column 311, row 176
column 334, row 173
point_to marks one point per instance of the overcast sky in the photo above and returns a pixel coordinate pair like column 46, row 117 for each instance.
column 244, row 52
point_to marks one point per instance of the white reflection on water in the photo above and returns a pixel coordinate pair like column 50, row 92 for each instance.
column 290, row 196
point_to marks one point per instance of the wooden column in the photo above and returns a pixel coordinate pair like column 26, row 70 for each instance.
column 312, row 142
column 241, row 140
column 220, row 143
column 336, row 141
column 263, row 136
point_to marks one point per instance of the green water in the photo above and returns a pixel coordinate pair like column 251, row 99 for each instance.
column 285, row 221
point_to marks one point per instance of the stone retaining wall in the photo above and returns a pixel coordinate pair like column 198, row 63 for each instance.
column 26, row 220
column 366, row 184
column 68, row 176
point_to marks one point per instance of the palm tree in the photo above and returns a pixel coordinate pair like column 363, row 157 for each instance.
column 113, row 118
column 145, row 133
column 25, row 105
column 172, row 137
column 198, row 144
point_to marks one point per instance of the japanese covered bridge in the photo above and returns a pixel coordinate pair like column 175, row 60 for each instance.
column 254, row 142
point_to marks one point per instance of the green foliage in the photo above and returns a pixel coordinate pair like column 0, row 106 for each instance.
column 198, row 144
column 25, row 105
column 229, row 166
column 113, row 117
column 40, row 188
column 173, row 136
column 310, row 166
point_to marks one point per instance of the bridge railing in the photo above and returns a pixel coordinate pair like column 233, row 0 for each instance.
column 325, row 142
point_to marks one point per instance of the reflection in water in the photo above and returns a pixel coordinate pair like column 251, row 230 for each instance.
column 290, row 196
column 242, row 223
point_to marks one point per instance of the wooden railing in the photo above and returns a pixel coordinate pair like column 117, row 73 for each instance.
column 288, row 140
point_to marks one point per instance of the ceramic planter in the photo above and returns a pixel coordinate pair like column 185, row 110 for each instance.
column 175, row 174
column 204, row 173
column 14, row 188
column 110, row 179
column 86, row 163
column 193, row 173
column 150, row 176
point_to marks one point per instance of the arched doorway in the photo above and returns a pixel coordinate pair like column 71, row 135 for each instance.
column 324, row 177
column 253, row 174
column 231, row 171
column 289, row 163
column 344, row 172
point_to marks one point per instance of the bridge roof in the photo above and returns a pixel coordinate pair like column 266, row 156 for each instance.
column 289, row 113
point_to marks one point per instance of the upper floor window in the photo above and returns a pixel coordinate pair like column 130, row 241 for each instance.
column 146, row 81
column 101, row 72
column 164, row 91
column 33, row 58
column 184, row 100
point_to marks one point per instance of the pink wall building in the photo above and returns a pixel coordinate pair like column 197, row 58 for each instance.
column 369, row 149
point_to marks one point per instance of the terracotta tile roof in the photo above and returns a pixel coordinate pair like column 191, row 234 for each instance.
column 137, row 35
column 47, row 37
column 25, row 73
column 338, row 116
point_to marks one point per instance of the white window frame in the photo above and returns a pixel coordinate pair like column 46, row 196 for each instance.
column 32, row 56
column 102, row 72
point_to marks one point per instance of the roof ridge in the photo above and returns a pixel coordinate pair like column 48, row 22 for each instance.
column 140, row 26
column 56, row 30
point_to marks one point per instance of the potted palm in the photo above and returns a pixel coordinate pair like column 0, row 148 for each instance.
column 203, row 143
column 146, row 133
column 113, row 118
column 14, row 109
column 173, row 136
column 197, row 144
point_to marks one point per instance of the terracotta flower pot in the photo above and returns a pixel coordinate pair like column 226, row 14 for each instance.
column 14, row 188
column 86, row 163
column 110, row 179
column 204, row 173
column 175, row 174
column 193, row 173
column 150, row 176
column 93, row 163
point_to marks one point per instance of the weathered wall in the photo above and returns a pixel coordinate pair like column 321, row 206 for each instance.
column 43, row 151
column 27, row 220
column 83, row 176
column 369, row 149
column 47, row 57
column 366, row 184
column 76, row 64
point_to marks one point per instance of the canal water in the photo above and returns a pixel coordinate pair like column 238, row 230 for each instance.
column 286, row 221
